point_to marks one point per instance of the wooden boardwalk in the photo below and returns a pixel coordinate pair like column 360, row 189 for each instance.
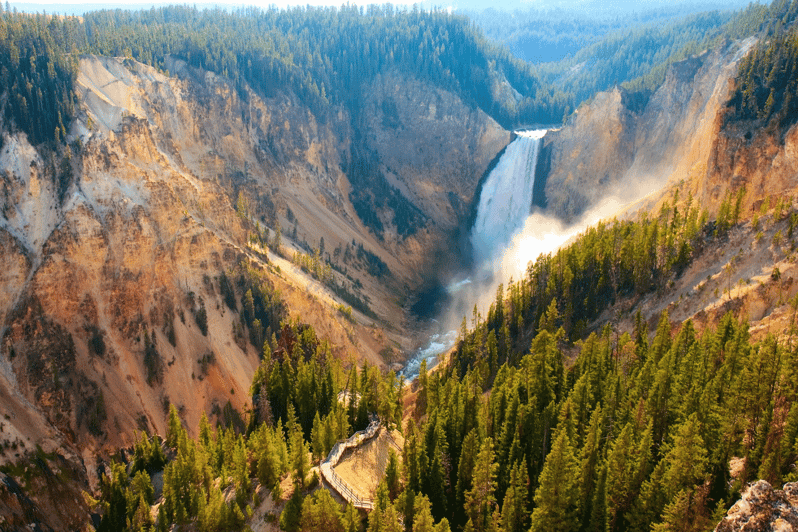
column 334, row 480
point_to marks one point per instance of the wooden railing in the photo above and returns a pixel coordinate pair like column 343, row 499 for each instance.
column 334, row 480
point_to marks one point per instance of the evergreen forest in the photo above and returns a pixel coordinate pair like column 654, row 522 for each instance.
column 325, row 56
column 530, row 425
column 328, row 56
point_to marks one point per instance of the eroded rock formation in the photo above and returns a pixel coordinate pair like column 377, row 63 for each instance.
column 763, row 509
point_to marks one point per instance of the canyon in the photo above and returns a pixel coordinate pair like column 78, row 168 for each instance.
column 119, row 253
column 170, row 177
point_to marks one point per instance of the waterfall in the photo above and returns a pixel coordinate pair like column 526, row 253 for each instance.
column 506, row 197
column 504, row 205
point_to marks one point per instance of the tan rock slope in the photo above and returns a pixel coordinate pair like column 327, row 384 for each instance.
column 168, row 177
column 617, row 145
column 679, row 141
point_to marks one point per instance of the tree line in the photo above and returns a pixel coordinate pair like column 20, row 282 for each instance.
column 766, row 91
column 328, row 56
column 637, row 433
column 572, row 286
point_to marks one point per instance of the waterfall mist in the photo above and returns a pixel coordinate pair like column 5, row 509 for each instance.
column 505, row 238
column 540, row 234
column 501, row 216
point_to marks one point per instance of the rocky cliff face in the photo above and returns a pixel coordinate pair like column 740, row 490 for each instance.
column 619, row 145
column 113, row 251
column 99, row 333
column 426, row 141
column 762, row 160
column 680, row 140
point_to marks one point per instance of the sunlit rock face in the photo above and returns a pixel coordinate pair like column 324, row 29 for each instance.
column 621, row 144
column 763, row 509
column 110, row 253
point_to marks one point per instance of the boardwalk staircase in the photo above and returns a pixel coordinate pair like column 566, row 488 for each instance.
column 332, row 479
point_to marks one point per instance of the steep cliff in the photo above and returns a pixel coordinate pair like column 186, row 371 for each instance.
column 624, row 145
column 679, row 143
column 763, row 160
column 118, row 250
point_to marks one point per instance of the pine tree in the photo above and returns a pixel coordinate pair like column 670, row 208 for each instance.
column 422, row 519
column 620, row 464
column 321, row 513
column 113, row 490
column 317, row 437
column 443, row 526
column 687, row 512
column 557, row 497
column 514, row 508
column 291, row 516
column 590, row 462
column 384, row 517
column 597, row 521
column 465, row 472
column 174, row 428
column 351, row 519
column 206, row 435
column 411, row 458
column 686, row 461
column 299, row 460
column 683, row 468
column 392, row 475
column 405, row 505
column 481, row 499
column 241, row 472
column 437, row 480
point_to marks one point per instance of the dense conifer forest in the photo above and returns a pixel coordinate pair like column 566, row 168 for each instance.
column 326, row 56
column 637, row 56
column 645, row 430
column 767, row 82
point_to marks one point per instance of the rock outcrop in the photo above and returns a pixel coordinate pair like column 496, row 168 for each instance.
column 763, row 509
column 751, row 156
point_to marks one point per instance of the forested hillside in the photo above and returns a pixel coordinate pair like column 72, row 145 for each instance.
column 213, row 483
column 767, row 84
column 638, row 56
column 542, row 36
column 633, row 53
column 324, row 55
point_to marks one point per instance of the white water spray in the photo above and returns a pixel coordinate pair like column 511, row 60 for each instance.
column 504, row 205
column 505, row 237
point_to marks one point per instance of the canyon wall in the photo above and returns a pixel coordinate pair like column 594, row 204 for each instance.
column 628, row 146
column 115, row 249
